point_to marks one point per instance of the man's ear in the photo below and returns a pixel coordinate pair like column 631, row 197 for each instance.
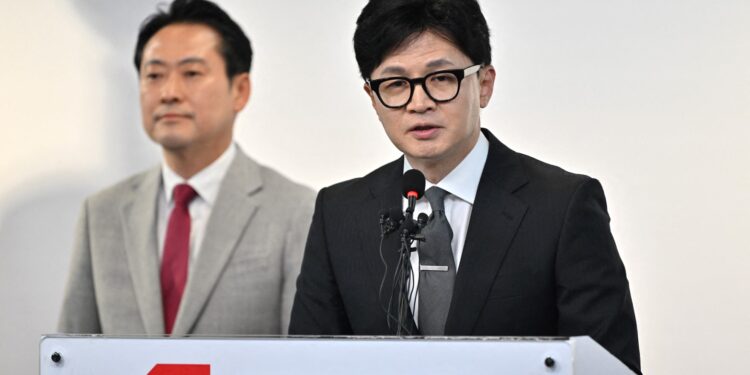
column 370, row 93
column 486, row 85
column 241, row 89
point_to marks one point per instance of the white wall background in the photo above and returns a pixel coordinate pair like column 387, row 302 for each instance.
column 651, row 97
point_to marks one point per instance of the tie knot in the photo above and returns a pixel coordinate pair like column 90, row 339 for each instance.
column 436, row 197
column 183, row 194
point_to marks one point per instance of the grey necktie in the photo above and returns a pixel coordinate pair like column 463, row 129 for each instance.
column 437, row 267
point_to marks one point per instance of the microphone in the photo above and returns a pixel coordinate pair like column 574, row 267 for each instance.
column 390, row 219
column 395, row 214
column 412, row 187
column 422, row 220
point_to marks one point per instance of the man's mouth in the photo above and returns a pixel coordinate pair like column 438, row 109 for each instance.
column 426, row 131
column 172, row 116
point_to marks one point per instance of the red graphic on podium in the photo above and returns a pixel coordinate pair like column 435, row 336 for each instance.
column 169, row 369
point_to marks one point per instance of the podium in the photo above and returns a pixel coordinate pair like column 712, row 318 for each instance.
column 96, row 354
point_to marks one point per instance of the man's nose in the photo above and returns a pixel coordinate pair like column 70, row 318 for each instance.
column 420, row 101
column 171, row 91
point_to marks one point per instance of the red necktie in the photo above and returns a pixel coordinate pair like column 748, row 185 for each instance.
column 174, row 263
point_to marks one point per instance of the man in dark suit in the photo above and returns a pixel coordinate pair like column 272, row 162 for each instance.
column 529, row 248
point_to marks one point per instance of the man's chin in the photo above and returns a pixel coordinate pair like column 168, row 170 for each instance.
column 423, row 156
column 423, row 150
column 173, row 144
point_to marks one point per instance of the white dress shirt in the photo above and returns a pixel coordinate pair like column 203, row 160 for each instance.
column 206, row 183
column 461, row 184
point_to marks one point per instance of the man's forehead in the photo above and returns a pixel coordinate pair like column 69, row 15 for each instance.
column 178, row 42
column 427, row 51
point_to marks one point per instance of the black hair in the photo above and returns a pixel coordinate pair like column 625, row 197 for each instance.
column 386, row 25
column 235, row 46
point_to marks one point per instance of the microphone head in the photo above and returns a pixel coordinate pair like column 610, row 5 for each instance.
column 412, row 184
column 409, row 226
column 396, row 214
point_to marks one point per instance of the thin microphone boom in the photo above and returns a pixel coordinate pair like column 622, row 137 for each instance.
column 413, row 184
column 393, row 219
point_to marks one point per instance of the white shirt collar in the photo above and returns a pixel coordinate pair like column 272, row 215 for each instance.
column 206, row 182
column 463, row 181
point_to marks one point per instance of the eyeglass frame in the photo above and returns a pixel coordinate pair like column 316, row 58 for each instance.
column 460, row 74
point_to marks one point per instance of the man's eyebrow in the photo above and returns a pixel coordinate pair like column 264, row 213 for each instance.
column 439, row 63
column 431, row 64
column 185, row 61
column 394, row 70
column 192, row 60
column 154, row 62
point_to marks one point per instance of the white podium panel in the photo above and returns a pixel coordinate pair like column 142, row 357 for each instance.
column 330, row 355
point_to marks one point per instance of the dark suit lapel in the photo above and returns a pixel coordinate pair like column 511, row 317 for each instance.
column 495, row 218
column 234, row 207
column 385, row 187
column 139, row 222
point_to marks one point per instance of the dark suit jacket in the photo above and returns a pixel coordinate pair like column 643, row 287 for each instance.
column 539, row 258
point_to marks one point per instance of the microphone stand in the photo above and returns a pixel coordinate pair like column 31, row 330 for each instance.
column 403, row 273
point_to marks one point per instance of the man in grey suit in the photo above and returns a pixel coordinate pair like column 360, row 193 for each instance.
column 209, row 242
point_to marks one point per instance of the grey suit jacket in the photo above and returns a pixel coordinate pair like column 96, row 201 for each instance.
column 243, row 281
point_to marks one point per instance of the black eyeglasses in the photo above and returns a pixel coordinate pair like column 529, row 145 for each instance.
column 441, row 86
